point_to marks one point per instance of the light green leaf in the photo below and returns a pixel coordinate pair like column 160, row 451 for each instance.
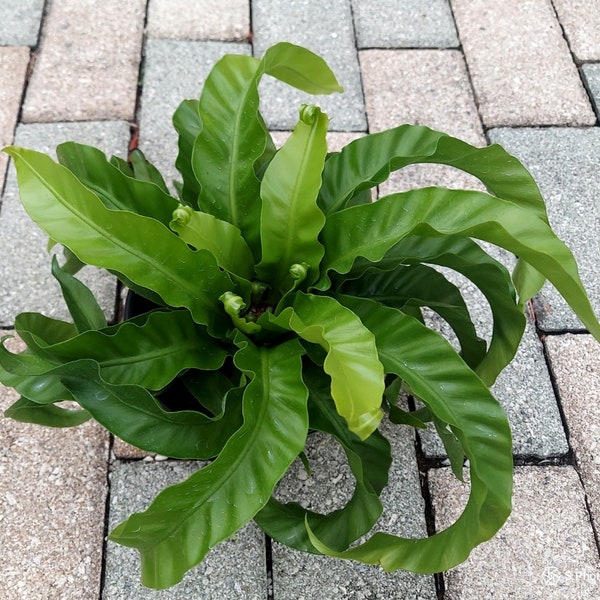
column 188, row 519
column 80, row 301
column 222, row 239
column 26, row 411
column 144, row 170
column 370, row 230
column 455, row 395
column 186, row 120
column 357, row 383
column 140, row 248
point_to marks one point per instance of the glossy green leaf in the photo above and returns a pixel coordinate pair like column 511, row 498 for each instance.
column 222, row 239
column 420, row 285
column 187, row 123
column 140, row 248
column 26, row 411
column 80, row 301
column 116, row 190
column 133, row 414
column 151, row 353
column 370, row 230
column 290, row 218
column 188, row 519
column 357, row 383
column 455, row 395
column 368, row 161
column 144, row 170
column 369, row 462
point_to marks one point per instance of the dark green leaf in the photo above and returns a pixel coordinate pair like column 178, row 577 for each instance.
column 144, row 170
column 186, row 120
column 26, row 411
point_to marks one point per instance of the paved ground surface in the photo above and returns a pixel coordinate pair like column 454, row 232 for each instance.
column 522, row 73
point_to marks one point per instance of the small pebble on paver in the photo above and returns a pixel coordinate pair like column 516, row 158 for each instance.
column 13, row 67
column 300, row 575
column 174, row 71
column 224, row 20
column 234, row 569
column 520, row 64
column 580, row 20
column 87, row 67
column 325, row 28
column 575, row 361
column 591, row 76
column 408, row 24
column 24, row 261
column 545, row 551
column 52, row 497
column 20, row 22
column 564, row 162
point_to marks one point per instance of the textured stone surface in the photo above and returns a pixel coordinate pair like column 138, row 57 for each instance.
column 13, row 66
column 580, row 20
column 591, row 76
column 298, row 575
column 407, row 24
column 88, row 63
column 199, row 20
column 174, row 71
column 20, row 22
column 52, row 497
column 520, row 64
column 564, row 163
column 324, row 28
column 421, row 87
column 575, row 361
column 233, row 569
column 545, row 551
column 24, row 262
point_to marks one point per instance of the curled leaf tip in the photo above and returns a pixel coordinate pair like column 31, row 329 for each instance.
column 308, row 113
column 182, row 215
column 234, row 305
column 299, row 271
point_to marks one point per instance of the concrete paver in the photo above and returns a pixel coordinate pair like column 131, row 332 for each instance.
column 88, row 63
column 20, row 22
column 591, row 76
column 234, row 569
column 325, row 28
column 174, row 70
column 564, row 162
column 408, row 24
column 522, row 71
column 575, row 361
column 13, row 67
column 298, row 575
column 52, row 496
column 24, row 261
column 580, row 20
column 546, row 550
column 206, row 20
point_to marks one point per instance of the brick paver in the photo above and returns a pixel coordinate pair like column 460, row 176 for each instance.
column 521, row 68
column 580, row 20
column 88, row 63
column 13, row 66
column 207, row 20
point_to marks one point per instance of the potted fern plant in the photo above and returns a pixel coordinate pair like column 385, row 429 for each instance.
column 281, row 298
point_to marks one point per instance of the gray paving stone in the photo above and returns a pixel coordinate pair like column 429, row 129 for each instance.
column 520, row 64
column 421, row 87
column 545, row 551
column 575, row 361
column 524, row 389
column 52, row 498
column 580, row 20
column 324, row 28
column 24, row 262
column 564, row 163
column 591, row 76
column 225, row 20
column 173, row 71
column 13, row 67
column 87, row 67
column 235, row 568
column 408, row 24
column 298, row 575
column 20, row 22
